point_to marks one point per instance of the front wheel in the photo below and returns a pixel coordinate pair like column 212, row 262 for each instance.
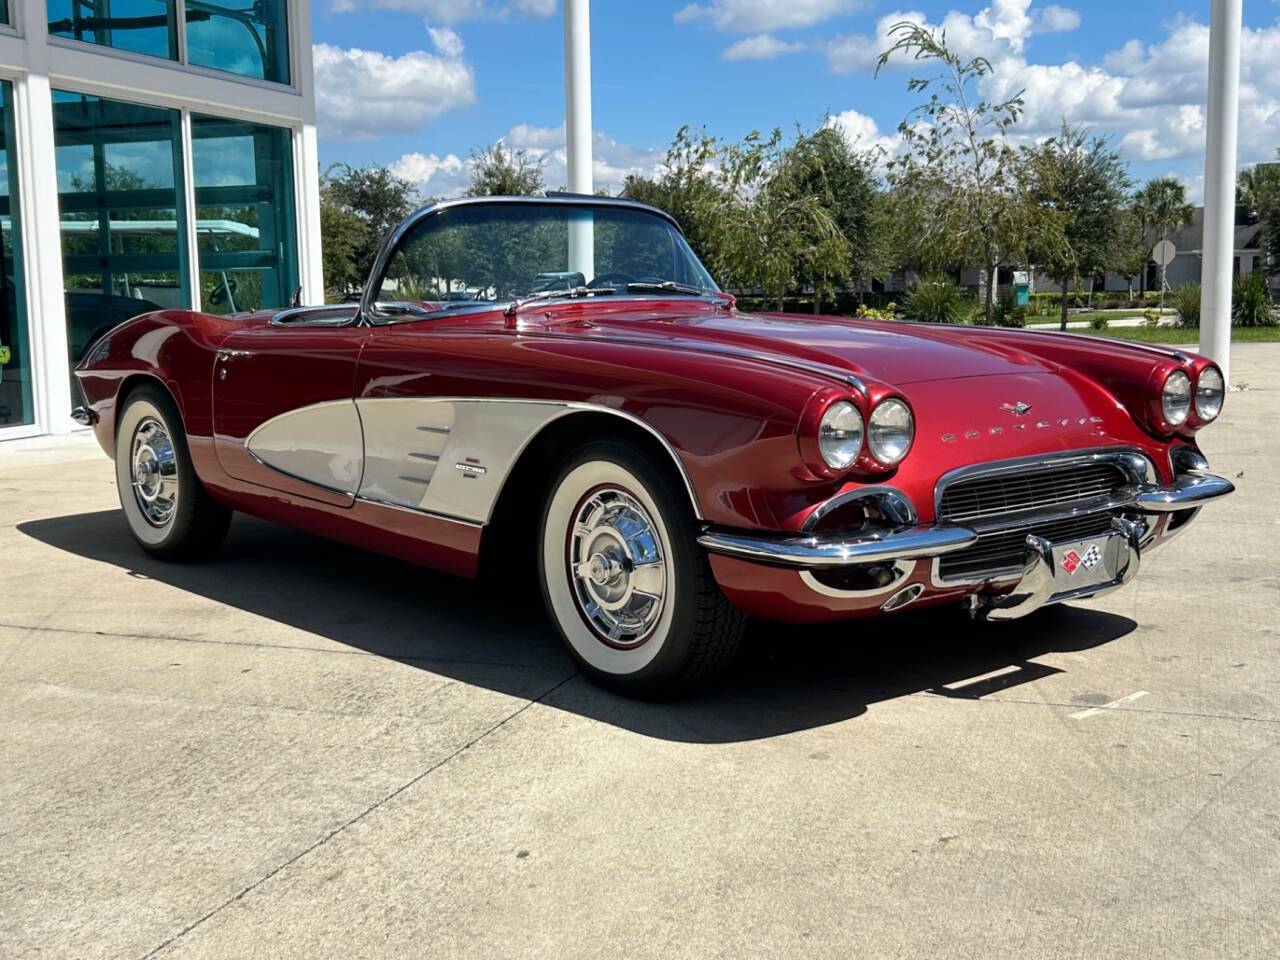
column 625, row 581
column 170, row 513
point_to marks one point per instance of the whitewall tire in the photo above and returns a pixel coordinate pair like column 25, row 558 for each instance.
column 624, row 580
column 170, row 513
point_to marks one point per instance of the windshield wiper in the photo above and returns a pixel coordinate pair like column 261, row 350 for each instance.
column 667, row 286
column 571, row 293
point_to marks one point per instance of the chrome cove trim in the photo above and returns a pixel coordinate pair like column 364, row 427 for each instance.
column 389, row 450
column 901, row 570
column 895, row 505
column 815, row 551
column 1136, row 465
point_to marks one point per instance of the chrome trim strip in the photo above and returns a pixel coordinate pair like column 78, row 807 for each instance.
column 461, row 521
column 901, row 570
column 892, row 502
column 816, row 551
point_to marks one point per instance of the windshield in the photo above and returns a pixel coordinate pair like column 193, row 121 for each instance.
column 498, row 252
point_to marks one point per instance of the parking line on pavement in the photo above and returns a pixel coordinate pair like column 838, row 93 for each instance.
column 1108, row 706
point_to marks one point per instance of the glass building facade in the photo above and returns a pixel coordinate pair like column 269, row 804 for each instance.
column 171, row 165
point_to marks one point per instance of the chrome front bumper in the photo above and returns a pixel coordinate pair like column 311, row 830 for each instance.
column 809, row 551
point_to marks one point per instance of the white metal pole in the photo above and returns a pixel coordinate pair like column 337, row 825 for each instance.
column 577, row 128
column 1220, row 182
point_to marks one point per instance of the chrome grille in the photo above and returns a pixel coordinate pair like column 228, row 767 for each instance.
column 1007, row 549
column 1046, row 488
column 1005, row 505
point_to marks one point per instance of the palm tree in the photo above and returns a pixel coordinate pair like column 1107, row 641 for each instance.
column 1162, row 205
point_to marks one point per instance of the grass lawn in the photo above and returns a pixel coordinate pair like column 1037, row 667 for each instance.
column 1183, row 334
column 1089, row 315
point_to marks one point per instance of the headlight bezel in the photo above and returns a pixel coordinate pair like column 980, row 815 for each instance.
column 853, row 440
column 890, row 406
column 1185, row 394
column 1211, row 370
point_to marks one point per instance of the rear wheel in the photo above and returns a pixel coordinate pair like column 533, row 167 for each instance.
column 625, row 581
column 170, row 513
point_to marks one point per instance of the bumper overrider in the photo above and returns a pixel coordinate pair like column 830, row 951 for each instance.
column 1052, row 572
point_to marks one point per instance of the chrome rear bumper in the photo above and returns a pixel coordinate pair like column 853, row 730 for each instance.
column 833, row 550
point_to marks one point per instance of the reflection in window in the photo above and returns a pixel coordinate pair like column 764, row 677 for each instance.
column 140, row 26
column 4, row 11
column 244, row 214
column 248, row 38
column 15, row 343
column 122, row 222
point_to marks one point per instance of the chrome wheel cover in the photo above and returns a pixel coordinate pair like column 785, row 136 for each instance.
column 153, row 471
column 616, row 567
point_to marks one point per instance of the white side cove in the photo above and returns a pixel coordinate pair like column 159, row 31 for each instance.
column 445, row 456
column 320, row 444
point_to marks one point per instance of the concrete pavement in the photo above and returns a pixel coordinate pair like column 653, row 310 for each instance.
column 303, row 750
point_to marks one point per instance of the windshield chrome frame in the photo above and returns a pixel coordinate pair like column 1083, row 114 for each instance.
column 369, row 297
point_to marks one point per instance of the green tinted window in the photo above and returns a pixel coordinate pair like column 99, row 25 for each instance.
column 15, row 341
column 251, row 40
column 140, row 26
column 122, row 218
column 244, row 214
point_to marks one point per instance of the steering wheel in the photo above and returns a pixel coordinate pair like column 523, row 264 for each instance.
column 608, row 279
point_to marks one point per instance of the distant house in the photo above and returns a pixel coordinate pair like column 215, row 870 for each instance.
column 1185, row 268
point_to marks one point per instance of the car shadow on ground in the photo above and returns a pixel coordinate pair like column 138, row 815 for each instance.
column 788, row 677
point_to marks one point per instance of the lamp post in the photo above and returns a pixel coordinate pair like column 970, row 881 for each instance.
column 577, row 129
column 1220, row 182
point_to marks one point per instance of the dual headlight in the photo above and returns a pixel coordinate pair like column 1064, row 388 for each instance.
column 1177, row 397
column 888, row 433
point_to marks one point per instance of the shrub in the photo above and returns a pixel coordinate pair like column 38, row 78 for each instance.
column 887, row 313
column 1151, row 317
column 1185, row 299
column 1098, row 322
column 1009, row 314
column 933, row 300
column 1250, row 302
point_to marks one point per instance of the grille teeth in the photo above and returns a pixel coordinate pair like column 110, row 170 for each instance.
column 978, row 498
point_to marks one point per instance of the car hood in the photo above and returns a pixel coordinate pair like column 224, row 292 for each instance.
column 911, row 354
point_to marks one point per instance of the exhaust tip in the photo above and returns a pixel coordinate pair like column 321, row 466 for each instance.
column 906, row 595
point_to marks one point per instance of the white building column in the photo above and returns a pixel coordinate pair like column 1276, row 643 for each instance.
column 577, row 128
column 41, row 236
column 306, row 152
column 1220, row 181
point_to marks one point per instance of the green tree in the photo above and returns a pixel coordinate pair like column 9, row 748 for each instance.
column 1135, row 247
column 687, row 188
column 1258, row 190
column 378, row 200
column 823, row 164
column 1162, row 204
column 957, row 176
column 500, row 171
column 1077, row 184
column 767, row 230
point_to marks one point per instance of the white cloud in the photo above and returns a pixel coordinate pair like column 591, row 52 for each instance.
column 435, row 176
column 1149, row 98
column 754, row 16
column 364, row 94
column 612, row 161
column 1056, row 19
column 761, row 46
column 452, row 11
column 863, row 133
column 446, row 41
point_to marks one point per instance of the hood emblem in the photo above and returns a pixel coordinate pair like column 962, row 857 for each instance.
column 1017, row 409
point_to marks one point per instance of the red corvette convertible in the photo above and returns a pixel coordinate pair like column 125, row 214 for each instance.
column 557, row 383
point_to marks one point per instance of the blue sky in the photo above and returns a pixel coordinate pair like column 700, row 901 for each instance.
column 418, row 84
